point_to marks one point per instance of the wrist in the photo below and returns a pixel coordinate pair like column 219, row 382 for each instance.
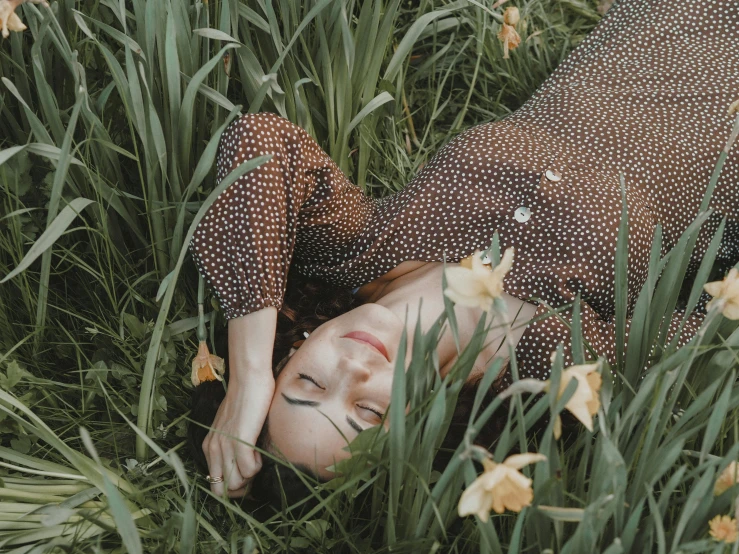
column 251, row 377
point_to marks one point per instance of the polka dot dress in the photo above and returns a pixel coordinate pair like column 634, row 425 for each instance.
column 644, row 96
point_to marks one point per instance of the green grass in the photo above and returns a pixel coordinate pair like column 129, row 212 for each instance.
column 110, row 113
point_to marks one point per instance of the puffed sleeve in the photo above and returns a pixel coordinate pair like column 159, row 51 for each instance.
column 247, row 239
column 547, row 331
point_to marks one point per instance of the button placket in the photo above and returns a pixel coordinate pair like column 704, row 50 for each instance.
column 523, row 213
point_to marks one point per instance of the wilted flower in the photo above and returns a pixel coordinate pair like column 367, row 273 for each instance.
column 500, row 487
column 206, row 366
column 723, row 528
column 511, row 16
column 726, row 294
column 475, row 284
column 9, row 19
column 510, row 39
column 728, row 478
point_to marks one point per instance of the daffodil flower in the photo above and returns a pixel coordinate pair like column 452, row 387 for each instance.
column 728, row 478
column 510, row 39
column 9, row 19
column 726, row 294
column 508, row 34
column 583, row 404
column 723, row 529
column 475, row 284
column 500, row 487
column 206, row 366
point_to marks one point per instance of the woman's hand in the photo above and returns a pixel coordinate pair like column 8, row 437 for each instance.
column 228, row 447
column 237, row 426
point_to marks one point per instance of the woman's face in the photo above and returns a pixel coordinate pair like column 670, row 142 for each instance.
column 337, row 383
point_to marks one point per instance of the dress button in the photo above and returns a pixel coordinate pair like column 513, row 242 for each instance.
column 553, row 175
column 522, row 214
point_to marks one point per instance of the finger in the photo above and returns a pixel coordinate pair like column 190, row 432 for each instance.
column 206, row 447
column 243, row 491
column 248, row 460
column 232, row 477
column 215, row 469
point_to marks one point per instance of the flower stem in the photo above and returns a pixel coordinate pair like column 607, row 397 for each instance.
column 201, row 314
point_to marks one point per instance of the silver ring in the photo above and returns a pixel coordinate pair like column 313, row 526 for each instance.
column 213, row 480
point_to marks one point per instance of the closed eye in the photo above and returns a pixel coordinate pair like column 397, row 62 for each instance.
column 376, row 412
column 311, row 379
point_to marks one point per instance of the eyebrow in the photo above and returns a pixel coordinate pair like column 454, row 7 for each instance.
column 313, row 404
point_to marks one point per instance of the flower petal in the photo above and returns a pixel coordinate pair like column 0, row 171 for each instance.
column 518, row 461
column 218, row 363
column 464, row 281
column 714, row 288
column 532, row 386
column 731, row 310
column 475, row 500
column 584, row 369
column 490, row 479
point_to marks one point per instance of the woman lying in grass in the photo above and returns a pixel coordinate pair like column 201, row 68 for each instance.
column 547, row 179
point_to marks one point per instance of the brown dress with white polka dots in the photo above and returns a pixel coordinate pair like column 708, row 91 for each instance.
column 646, row 95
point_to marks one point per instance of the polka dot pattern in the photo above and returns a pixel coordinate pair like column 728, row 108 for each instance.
column 645, row 96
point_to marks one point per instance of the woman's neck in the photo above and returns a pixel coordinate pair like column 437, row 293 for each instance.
column 414, row 294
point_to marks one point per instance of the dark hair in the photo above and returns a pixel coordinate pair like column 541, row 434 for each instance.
column 307, row 304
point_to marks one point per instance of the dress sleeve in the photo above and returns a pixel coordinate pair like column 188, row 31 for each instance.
column 547, row 331
column 246, row 241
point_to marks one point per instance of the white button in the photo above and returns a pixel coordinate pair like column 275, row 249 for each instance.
column 522, row 214
column 553, row 175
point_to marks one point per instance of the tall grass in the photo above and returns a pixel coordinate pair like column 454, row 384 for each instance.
column 110, row 115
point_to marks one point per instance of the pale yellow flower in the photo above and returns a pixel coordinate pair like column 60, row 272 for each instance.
column 511, row 16
column 475, row 284
column 723, row 529
column 9, row 19
column 500, row 487
column 206, row 366
column 585, row 401
column 728, row 478
column 726, row 294
column 510, row 39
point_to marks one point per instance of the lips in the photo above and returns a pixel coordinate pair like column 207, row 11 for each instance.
column 372, row 340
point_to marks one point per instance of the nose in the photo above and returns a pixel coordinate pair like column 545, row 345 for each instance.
column 356, row 369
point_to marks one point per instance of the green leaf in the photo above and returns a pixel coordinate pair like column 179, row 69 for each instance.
column 119, row 510
column 562, row 514
column 215, row 34
column 372, row 105
column 50, row 236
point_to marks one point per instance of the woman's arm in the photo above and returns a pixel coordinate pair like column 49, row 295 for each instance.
column 241, row 415
column 298, row 203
